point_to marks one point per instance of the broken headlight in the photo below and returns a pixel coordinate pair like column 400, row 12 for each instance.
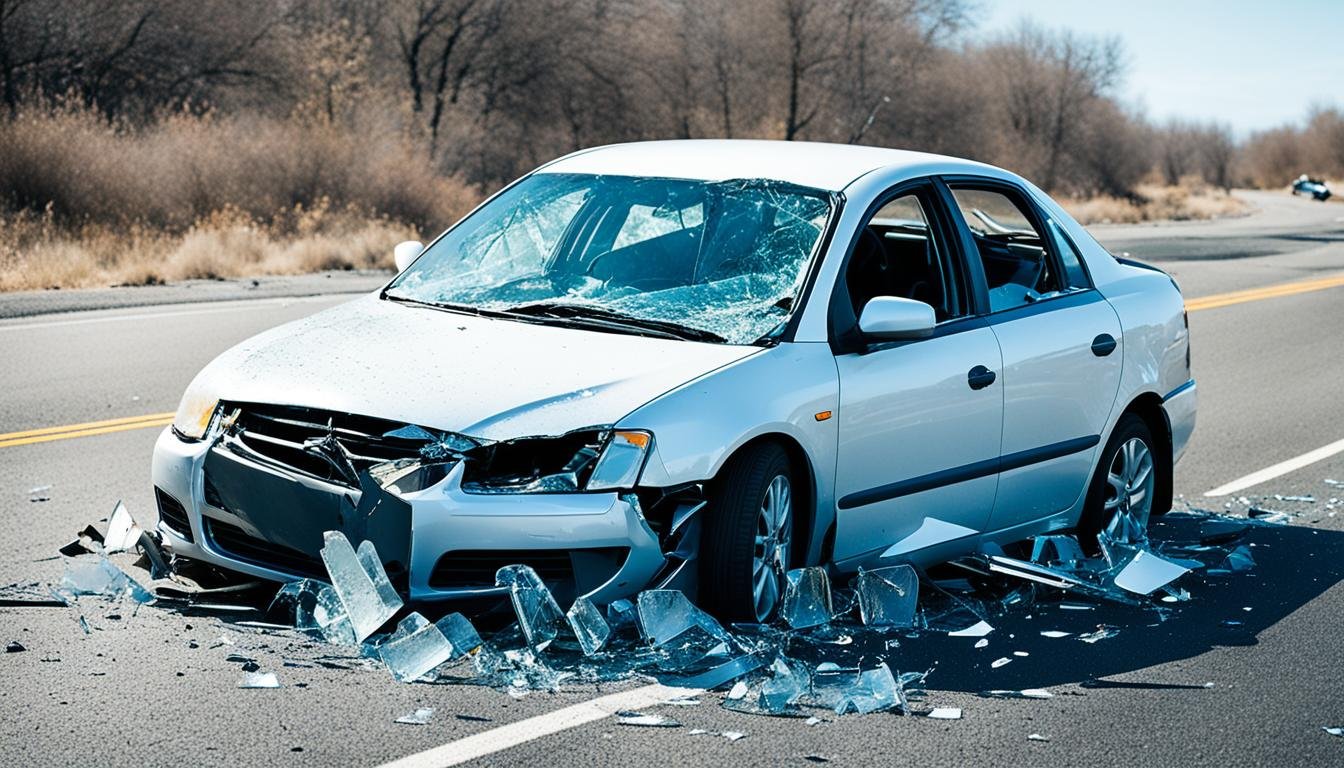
column 587, row 460
column 194, row 413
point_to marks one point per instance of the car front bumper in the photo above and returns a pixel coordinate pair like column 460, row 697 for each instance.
column 443, row 520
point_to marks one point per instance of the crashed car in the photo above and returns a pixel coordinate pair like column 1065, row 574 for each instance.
column 696, row 365
column 1316, row 189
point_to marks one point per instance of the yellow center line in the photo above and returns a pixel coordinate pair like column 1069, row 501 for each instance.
column 1267, row 292
column 87, row 429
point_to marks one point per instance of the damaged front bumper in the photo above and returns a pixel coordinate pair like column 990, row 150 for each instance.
column 438, row 543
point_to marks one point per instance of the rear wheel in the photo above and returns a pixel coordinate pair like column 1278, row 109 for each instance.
column 748, row 534
column 1120, row 497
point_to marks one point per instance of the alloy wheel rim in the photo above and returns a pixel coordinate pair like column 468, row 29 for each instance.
column 1129, row 498
column 774, row 535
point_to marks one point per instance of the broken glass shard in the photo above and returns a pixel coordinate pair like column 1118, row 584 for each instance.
column 1147, row 572
column 665, row 614
column 1037, row 737
column 644, row 720
column 1239, row 560
column 259, row 680
column 122, row 532
column 807, row 598
column 539, row 616
column 418, row 717
column 979, row 629
column 1333, row 731
column 96, row 575
column 876, row 689
column 1000, row 662
column 931, row 532
column 316, row 610
column 1056, row 549
column 417, row 646
column 1055, row 633
column 588, row 625
column 888, row 596
column 945, row 713
column 785, row 686
column 1102, row 633
column 360, row 582
column 1026, row 693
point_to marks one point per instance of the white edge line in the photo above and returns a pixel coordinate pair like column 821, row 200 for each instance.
column 523, row 731
column 1282, row 468
column 211, row 307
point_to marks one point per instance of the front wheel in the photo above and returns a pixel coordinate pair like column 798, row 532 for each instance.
column 1120, row 497
column 747, row 536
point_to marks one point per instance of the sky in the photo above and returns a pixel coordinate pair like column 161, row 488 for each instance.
column 1251, row 65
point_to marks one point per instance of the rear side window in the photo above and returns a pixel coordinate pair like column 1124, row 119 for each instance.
column 1014, row 253
column 1074, row 274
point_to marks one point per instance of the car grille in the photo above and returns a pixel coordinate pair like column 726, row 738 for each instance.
column 286, row 436
column 476, row 568
column 172, row 514
column 236, row 542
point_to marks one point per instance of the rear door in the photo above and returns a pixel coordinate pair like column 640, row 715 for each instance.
column 918, row 439
column 1060, row 344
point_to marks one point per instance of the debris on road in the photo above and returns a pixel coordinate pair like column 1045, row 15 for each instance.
column 39, row 493
column 418, row 717
column 259, row 680
column 643, row 720
column 15, row 646
column 944, row 713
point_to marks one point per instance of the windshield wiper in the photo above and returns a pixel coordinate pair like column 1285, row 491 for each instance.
column 583, row 314
column 449, row 307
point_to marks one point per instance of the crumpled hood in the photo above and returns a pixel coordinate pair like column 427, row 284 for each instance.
column 487, row 378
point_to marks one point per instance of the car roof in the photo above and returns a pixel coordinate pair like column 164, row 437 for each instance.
column 811, row 164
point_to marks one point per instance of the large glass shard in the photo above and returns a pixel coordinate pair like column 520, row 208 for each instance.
column 784, row 688
column 876, row 689
column 516, row 670
column 316, row 610
column 588, row 625
column 96, row 575
column 888, row 596
column 807, row 598
column 122, row 532
column 539, row 616
column 1056, row 549
column 665, row 614
column 1239, row 560
column 417, row 646
column 360, row 582
column 1146, row 572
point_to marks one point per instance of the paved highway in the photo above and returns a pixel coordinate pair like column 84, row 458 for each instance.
column 147, row 688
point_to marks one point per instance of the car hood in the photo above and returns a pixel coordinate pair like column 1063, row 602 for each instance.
column 488, row 378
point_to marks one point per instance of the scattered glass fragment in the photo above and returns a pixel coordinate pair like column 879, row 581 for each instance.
column 418, row 717
column 738, row 691
column 1021, row 653
column 645, row 720
column 15, row 646
column 981, row 643
column 122, row 531
column 1102, row 633
column 1301, row 498
column 1025, row 693
column 360, row 582
column 39, row 493
column 588, row 625
column 84, row 625
column 417, row 646
column 999, row 662
column 812, row 721
column 539, row 616
column 945, row 713
column 259, row 680
column 1055, row 633
column 317, row 610
column 1272, row 516
column 732, row 735
column 979, row 629
column 888, row 596
column 1147, row 572
column 1037, row 737
column 683, row 701
column 1333, row 731
column 96, row 575
column 807, row 598
column 1076, row 606
column 1239, row 560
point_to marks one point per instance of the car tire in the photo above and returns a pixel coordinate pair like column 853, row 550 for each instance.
column 1128, row 467
column 748, row 534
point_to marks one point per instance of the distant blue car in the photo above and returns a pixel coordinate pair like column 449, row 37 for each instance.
column 1313, row 188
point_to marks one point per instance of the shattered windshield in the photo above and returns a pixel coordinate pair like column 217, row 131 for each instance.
column 723, row 261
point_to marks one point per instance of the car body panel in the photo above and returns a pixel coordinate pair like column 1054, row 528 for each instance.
column 499, row 379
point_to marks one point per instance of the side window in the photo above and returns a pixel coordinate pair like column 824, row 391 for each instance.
column 1074, row 274
column 899, row 254
column 1013, row 252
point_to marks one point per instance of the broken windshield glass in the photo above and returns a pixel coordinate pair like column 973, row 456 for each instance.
column 723, row 260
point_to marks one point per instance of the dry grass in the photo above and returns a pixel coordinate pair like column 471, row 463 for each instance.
column 84, row 203
column 1187, row 201
column 37, row 253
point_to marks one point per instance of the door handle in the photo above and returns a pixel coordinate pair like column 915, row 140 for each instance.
column 980, row 377
column 1103, row 345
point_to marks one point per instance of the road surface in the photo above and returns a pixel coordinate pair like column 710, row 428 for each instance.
column 149, row 689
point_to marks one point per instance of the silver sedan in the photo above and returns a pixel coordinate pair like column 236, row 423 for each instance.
column 697, row 364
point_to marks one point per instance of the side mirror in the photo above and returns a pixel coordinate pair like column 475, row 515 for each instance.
column 406, row 252
column 889, row 317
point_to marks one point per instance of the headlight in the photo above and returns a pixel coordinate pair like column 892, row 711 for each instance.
column 621, row 461
column 194, row 413
column 587, row 460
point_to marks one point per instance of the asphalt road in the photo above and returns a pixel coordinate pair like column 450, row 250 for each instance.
column 147, row 688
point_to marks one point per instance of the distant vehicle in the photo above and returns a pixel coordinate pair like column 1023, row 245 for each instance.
column 697, row 365
column 1316, row 189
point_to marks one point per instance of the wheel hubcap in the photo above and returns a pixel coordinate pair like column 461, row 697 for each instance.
column 774, row 534
column 1129, row 499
